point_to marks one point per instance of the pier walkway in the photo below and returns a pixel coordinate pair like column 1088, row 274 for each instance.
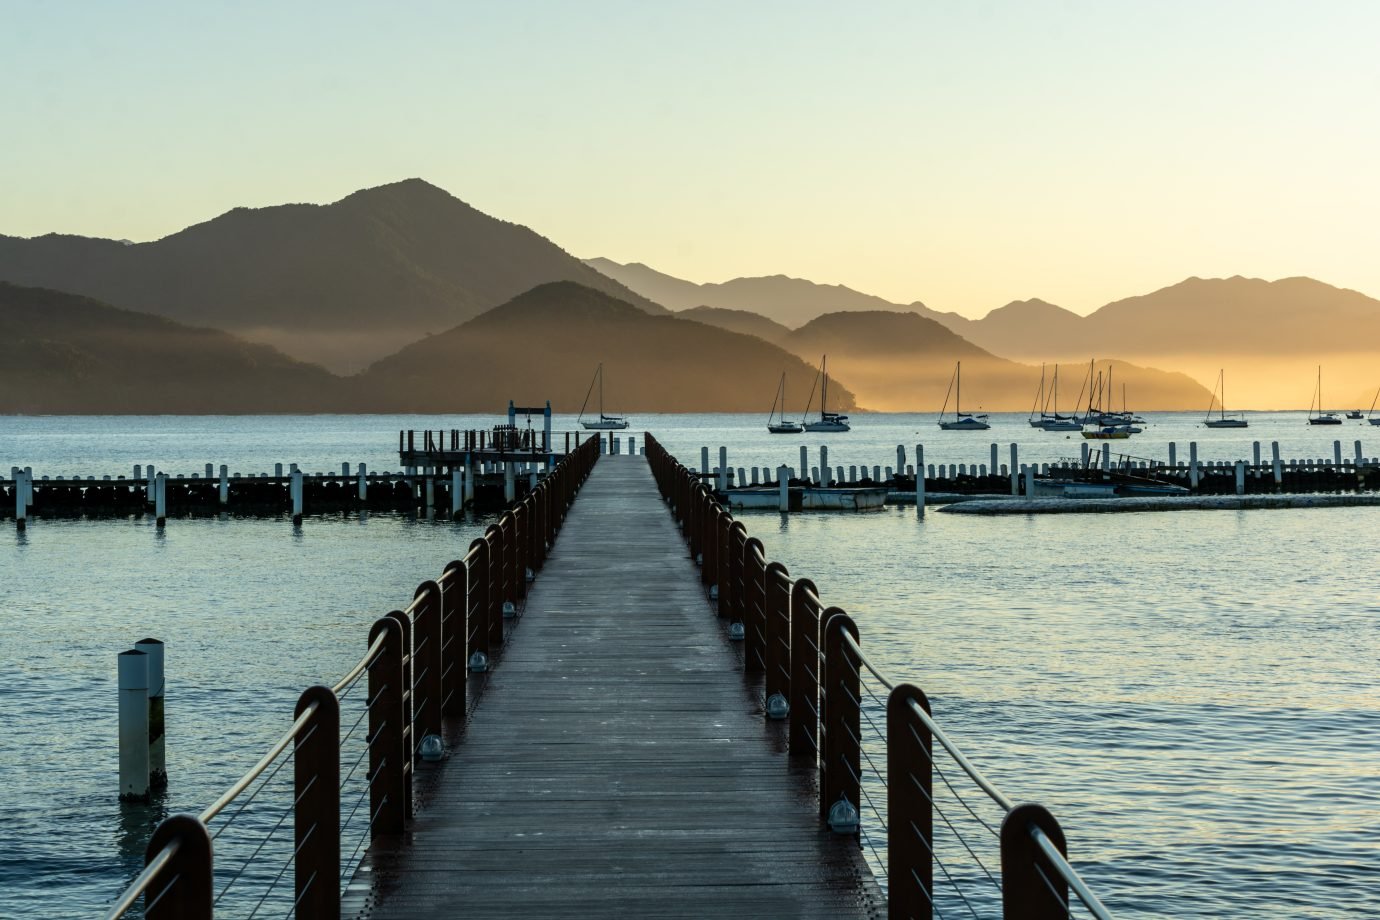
column 620, row 764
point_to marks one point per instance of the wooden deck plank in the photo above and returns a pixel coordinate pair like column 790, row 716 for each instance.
column 619, row 762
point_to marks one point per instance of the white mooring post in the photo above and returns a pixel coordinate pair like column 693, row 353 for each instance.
column 160, row 499
column 158, row 759
column 469, row 478
column 149, row 495
column 920, row 479
column 632, row 446
column 852, row 473
column 1193, row 464
column 995, row 457
column 278, row 470
column 1173, row 454
column 1276, row 464
column 814, row 475
column 1030, row 481
column 363, row 482
column 431, row 492
column 723, row 468
column 132, row 676
column 509, row 484
column 1360, row 459
column 876, row 474
column 755, row 471
column 1255, row 458
column 138, row 473
column 804, row 459
column 1337, row 453
column 1106, row 457
column 1015, row 470
column 1241, row 477
column 704, row 460
column 900, row 456
column 457, row 491
column 295, row 491
column 783, row 478
column 224, row 485
column 824, row 460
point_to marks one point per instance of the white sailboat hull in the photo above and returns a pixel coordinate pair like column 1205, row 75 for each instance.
column 1226, row 423
column 965, row 424
column 605, row 425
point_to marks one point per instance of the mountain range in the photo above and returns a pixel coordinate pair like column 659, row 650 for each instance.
column 1269, row 336
column 64, row 353
column 341, row 284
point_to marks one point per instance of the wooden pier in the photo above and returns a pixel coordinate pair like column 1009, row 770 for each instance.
column 644, row 717
column 619, row 766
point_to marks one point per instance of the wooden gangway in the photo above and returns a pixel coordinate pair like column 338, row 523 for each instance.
column 619, row 764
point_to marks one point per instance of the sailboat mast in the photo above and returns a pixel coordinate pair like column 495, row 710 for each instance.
column 824, row 389
column 958, row 394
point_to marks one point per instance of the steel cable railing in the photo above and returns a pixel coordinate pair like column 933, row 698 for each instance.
column 415, row 697
column 942, row 839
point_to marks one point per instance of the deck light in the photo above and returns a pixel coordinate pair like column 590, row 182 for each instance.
column 479, row 662
column 736, row 632
column 777, row 707
column 509, row 610
column 843, row 817
column 432, row 749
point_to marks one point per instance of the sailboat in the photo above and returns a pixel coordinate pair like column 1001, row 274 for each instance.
column 1223, row 420
column 1370, row 416
column 1321, row 418
column 963, row 421
column 1055, row 421
column 782, row 426
column 828, row 421
column 604, row 422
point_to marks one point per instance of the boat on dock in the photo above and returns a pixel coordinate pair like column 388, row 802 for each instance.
column 604, row 422
column 1086, row 479
column 1219, row 398
column 962, row 421
column 781, row 425
column 1316, row 415
column 828, row 421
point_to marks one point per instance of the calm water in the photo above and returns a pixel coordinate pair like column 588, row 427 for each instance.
column 1194, row 694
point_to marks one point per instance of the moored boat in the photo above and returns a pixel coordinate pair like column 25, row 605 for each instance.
column 828, row 421
column 1316, row 415
column 962, row 421
column 781, row 425
column 1223, row 420
column 603, row 422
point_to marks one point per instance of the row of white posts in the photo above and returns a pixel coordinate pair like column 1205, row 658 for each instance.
column 143, row 757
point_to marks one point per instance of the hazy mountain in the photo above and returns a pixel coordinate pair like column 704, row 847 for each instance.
column 343, row 284
column 788, row 301
column 62, row 353
column 742, row 321
column 904, row 361
column 545, row 344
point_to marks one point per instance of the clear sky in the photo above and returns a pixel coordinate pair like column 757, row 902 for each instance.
column 961, row 153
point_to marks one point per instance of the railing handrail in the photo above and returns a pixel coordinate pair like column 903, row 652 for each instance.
column 1070, row 874
column 142, row 880
column 257, row 770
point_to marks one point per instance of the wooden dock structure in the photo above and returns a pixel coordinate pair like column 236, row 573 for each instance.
column 619, row 765
column 645, row 717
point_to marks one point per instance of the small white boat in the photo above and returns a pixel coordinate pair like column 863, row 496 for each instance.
column 1321, row 417
column 1223, row 420
column 604, row 422
column 962, row 421
column 828, row 421
column 780, row 425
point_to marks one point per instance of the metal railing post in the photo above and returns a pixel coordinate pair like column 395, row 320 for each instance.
column 388, row 754
column 805, row 664
column 426, row 662
column 751, row 598
column 182, row 889
column 454, row 640
column 316, row 814
column 731, row 585
column 493, row 616
column 1031, row 888
column 840, row 752
column 910, row 817
column 776, row 607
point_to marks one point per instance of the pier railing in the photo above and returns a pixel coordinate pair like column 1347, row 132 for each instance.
column 943, row 839
column 400, row 703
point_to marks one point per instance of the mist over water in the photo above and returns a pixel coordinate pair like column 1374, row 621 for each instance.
column 1193, row 694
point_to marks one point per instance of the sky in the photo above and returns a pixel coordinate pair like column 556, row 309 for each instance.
column 961, row 154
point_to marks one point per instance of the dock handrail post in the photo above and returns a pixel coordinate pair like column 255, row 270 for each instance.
column 316, row 809
column 426, row 663
column 183, row 888
column 455, row 640
column 388, row 754
column 752, row 603
column 840, row 752
column 910, row 817
column 1031, row 888
column 804, row 688
column 477, row 600
column 493, row 614
column 776, row 608
column 732, row 603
